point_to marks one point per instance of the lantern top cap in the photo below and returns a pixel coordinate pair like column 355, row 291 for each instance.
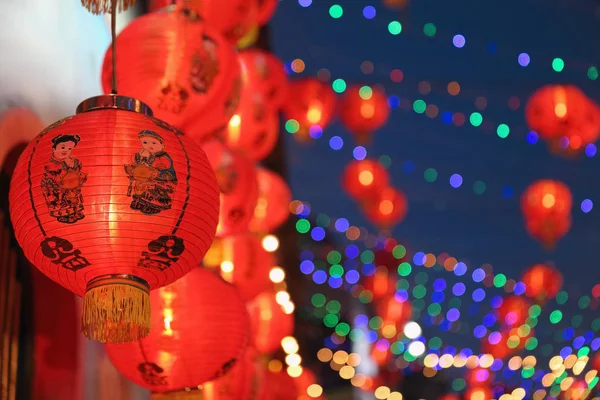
column 116, row 102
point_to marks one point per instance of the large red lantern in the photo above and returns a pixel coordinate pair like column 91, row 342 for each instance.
column 237, row 180
column 111, row 203
column 272, row 207
column 266, row 74
column 542, row 282
column 311, row 103
column 245, row 263
column 364, row 178
column 270, row 323
column 387, row 208
column 363, row 110
column 199, row 332
column 546, row 206
column 180, row 66
column 17, row 127
column 232, row 18
column 563, row 111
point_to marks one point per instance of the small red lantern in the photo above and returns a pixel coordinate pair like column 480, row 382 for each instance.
column 514, row 311
column 270, row 323
column 381, row 356
column 111, row 203
column 180, row 66
column 387, row 208
column 546, row 205
column 364, row 178
column 199, row 332
column 266, row 9
column 237, row 180
column 246, row 264
column 542, row 282
column 17, row 127
column 279, row 386
column 272, row 208
column 232, row 18
column 266, row 74
column 303, row 383
column 311, row 103
column 479, row 393
column 394, row 311
column 363, row 110
column 381, row 283
column 563, row 111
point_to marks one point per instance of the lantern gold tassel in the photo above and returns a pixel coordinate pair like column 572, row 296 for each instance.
column 116, row 309
column 105, row 6
column 180, row 395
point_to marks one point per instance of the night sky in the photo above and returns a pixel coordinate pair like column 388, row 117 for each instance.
column 477, row 229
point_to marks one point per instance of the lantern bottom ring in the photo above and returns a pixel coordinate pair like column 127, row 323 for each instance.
column 184, row 394
column 116, row 309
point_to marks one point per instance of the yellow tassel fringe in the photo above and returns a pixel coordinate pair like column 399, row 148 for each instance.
column 104, row 6
column 116, row 313
column 179, row 395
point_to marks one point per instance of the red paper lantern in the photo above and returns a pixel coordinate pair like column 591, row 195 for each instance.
column 542, row 282
column 546, row 205
column 303, row 384
column 381, row 356
column 274, row 197
column 563, row 111
column 364, row 178
column 478, row 393
column 17, row 127
column 246, row 264
column 513, row 311
column 381, row 283
column 199, row 332
column 363, row 110
column 270, row 323
column 279, row 386
column 111, row 204
column 394, row 311
column 266, row 73
column 311, row 103
column 266, row 9
column 183, row 68
column 387, row 208
column 478, row 377
column 232, row 18
column 237, row 180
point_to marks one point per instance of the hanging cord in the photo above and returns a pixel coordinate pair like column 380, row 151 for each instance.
column 113, row 32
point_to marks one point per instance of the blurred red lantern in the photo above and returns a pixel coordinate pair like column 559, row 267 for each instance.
column 394, row 311
column 513, row 311
column 232, row 18
column 382, row 283
column 199, row 332
column 237, row 180
column 266, row 9
column 306, row 385
column 542, row 282
column 180, row 66
column 279, row 386
column 270, row 323
column 546, row 206
column 506, row 343
column 478, row 377
column 266, row 74
column 272, row 207
column 563, row 111
column 254, row 128
column 363, row 110
column 479, row 393
column 381, row 356
column 387, row 208
column 17, row 127
column 311, row 103
column 125, row 205
column 364, row 178
column 246, row 264
column 450, row 397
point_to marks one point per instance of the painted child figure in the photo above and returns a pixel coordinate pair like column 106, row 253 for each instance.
column 152, row 177
column 62, row 181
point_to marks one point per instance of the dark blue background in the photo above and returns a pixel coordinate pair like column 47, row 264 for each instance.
column 472, row 228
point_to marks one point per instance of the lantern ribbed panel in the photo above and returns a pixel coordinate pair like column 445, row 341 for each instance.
column 108, row 206
column 272, row 207
column 199, row 332
column 251, row 264
column 270, row 324
column 232, row 18
column 182, row 68
column 363, row 115
column 267, row 74
column 310, row 102
column 237, row 180
column 364, row 178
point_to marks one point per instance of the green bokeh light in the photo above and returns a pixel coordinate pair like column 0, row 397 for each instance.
column 333, row 307
column 342, row 329
column 404, row 269
column 558, row 64
column 562, row 297
column 339, row 85
column 334, row 257
column 395, row 27
column 323, row 220
column 367, row 256
column 318, row 300
column 365, row 92
column 479, row 188
column 419, row 106
column 476, row 119
column 429, row 29
column 503, row 131
column 336, row 271
column 292, row 126
column 555, row 316
column 302, row 225
column 385, row 160
column 430, row 175
column 330, row 320
column 419, row 291
column 592, row 73
column 336, row 11
column 399, row 251
column 499, row 280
